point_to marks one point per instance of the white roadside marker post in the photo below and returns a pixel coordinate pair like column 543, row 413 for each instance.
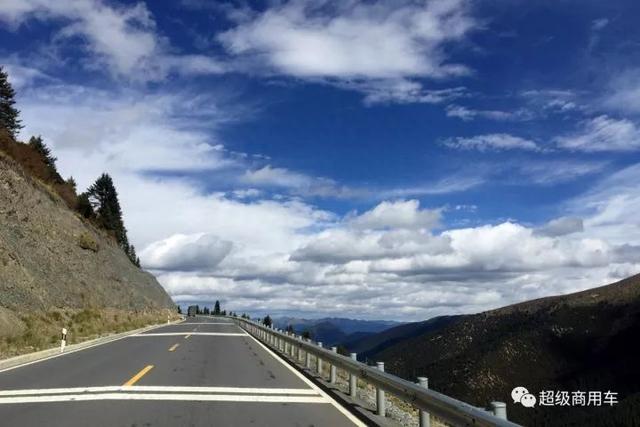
column 63, row 341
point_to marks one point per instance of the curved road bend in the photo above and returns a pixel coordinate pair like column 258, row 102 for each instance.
column 201, row 372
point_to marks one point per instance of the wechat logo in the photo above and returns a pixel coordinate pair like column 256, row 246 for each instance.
column 522, row 396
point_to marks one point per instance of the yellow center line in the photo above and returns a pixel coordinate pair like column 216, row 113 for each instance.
column 173, row 347
column 139, row 375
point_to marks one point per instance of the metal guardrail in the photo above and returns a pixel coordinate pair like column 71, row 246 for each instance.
column 450, row 410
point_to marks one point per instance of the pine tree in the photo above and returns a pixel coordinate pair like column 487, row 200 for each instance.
column 133, row 257
column 104, row 200
column 9, row 115
column 267, row 321
column 216, row 309
column 38, row 144
column 72, row 183
column 84, row 206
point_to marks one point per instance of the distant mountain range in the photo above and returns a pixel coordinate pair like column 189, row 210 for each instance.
column 586, row 341
column 369, row 345
column 334, row 330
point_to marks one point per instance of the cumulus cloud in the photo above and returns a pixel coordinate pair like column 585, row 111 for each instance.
column 383, row 44
column 561, row 227
column 492, row 142
column 603, row 133
column 397, row 215
column 186, row 253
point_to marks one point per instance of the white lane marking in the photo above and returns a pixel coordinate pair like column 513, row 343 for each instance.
column 310, row 383
column 78, row 349
column 209, row 323
column 156, row 389
column 164, row 396
column 170, row 334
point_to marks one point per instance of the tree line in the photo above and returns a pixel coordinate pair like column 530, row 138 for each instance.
column 99, row 204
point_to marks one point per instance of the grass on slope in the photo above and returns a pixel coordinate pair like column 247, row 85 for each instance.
column 42, row 330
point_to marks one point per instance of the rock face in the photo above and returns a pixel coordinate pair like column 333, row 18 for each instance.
column 51, row 258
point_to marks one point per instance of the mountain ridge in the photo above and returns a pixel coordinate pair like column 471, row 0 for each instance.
column 581, row 341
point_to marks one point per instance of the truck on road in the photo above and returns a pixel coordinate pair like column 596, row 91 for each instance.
column 192, row 311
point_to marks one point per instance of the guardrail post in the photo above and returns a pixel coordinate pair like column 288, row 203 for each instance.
column 425, row 417
column 307, row 361
column 353, row 380
column 319, row 361
column 499, row 409
column 332, row 375
column 286, row 345
column 297, row 350
column 380, row 401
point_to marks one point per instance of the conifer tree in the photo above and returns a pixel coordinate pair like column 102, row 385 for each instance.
column 9, row 115
column 84, row 206
column 267, row 321
column 104, row 200
column 72, row 183
column 38, row 144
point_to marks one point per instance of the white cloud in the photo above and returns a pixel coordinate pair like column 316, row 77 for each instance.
column 21, row 76
column 186, row 252
column 278, row 177
column 468, row 114
column 492, row 142
column 382, row 44
column 561, row 227
column 603, row 133
column 552, row 100
column 623, row 93
column 397, row 215
column 558, row 171
column 599, row 24
column 93, row 124
column 123, row 38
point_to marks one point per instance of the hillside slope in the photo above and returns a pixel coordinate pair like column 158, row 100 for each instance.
column 580, row 342
column 53, row 261
column 369, row 345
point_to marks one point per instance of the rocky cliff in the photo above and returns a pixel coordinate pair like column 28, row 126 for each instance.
column 53, row 261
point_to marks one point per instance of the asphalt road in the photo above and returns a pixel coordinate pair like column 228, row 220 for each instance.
column 203, row 372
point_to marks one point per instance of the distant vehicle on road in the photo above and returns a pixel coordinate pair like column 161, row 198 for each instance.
column 192, row 311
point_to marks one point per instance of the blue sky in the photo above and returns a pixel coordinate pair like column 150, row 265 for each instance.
column 394, row 159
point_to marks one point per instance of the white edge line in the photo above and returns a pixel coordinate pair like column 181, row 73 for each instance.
column 164, row 396
column 175, row 389
column 209, row 323
column 170, row 334
column 311, row 384
column 53, row 356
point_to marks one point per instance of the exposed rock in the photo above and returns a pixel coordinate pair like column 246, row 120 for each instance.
column 51, row 258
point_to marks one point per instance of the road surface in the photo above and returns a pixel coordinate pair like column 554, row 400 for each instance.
column 203, row 372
